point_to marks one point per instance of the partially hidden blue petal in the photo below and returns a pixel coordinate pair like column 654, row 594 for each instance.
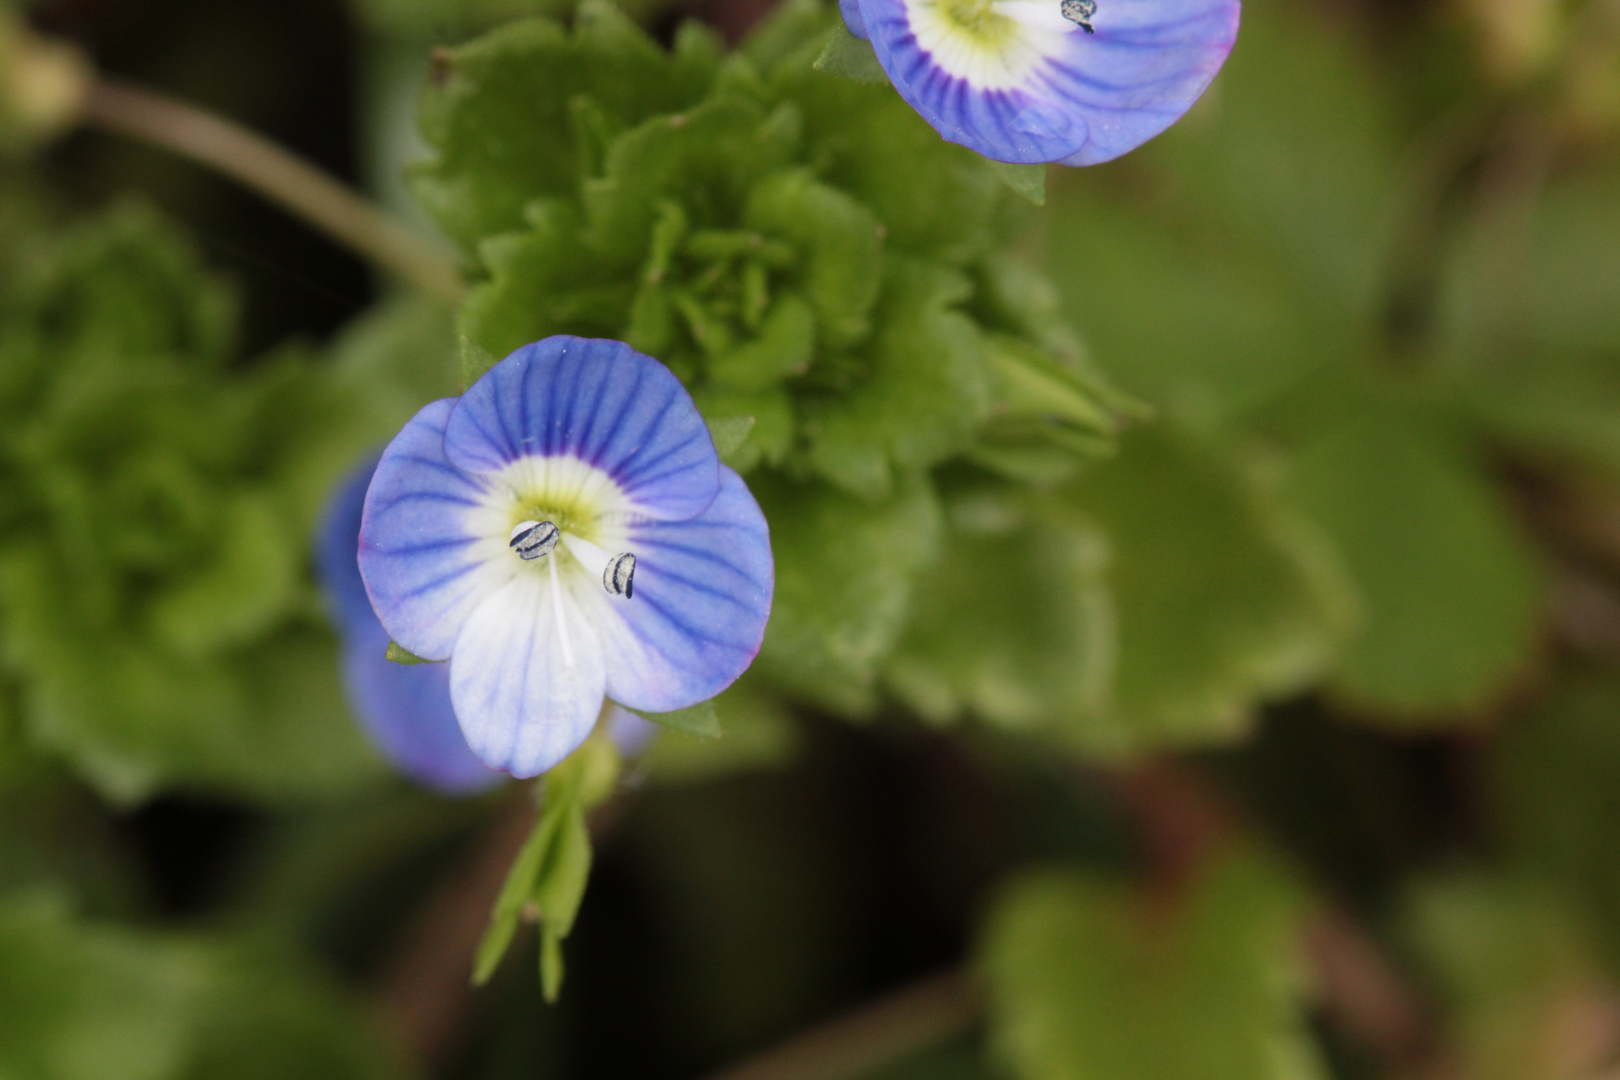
column 631, row 734
column 702, row 595
column 525, row 700
column 424, row 568
column 405, row 710
column 851, row 11
column 1046, row 90
column 601, row 402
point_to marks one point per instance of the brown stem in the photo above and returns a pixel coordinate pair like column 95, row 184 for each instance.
column 280, row 176
column 427, row 991
column 919, row 1016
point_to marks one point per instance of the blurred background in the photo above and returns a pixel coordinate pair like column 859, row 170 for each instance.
column 1351, row 809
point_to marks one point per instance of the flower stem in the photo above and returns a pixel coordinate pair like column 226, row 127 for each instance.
column 890, row 1029
column 278, row 175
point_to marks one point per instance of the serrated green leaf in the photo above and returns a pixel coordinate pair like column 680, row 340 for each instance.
column 1220, row 599
column 700, row 720
column 241, row 592
column 850, row 57
column 769, row 437
column 845, row 571
column 926, row 387
column 1083, row 985
column 1015, row 625
column 1450, row 594
column 403, row 656
column 497, row 112
column 1029, row 181
column 785, row 346
column 841, row 244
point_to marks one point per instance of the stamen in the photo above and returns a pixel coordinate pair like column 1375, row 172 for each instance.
column 1080, row 12
column 619, row 576
column 562, row 625
column 533, row 539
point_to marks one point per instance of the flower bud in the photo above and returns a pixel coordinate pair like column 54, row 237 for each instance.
column 43, row 83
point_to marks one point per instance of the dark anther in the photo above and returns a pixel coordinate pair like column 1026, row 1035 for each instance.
column 533, row 539
column 1080, row 12
column 619, row 577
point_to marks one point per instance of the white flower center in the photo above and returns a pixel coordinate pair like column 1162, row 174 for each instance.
column 566, row 520
column 990, row 44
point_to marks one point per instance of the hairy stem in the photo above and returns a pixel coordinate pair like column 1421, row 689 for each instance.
column 914, row 1018
column 280, row 176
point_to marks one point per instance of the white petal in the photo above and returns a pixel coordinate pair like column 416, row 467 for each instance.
column 523, row 703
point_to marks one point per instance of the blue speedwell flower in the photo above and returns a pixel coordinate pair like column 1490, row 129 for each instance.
column 561, row 533
column 1074, row 81
column 406, row 710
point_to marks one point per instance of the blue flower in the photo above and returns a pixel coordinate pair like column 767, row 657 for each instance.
column 1073, row 81
column 562, row 533
column 406, row 710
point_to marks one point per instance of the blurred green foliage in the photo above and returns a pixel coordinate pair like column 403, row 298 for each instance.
column 1347, row 529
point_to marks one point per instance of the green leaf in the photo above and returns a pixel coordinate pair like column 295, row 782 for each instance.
column 1514, row 962
column 926, row 389
column 79, row 1002
column 1450, row 592
column 1293, row 157
column 770, row 419
column 700, row 720
column 1220, row 599
column 845, row 571
column 81, row 999
column 402, row 656
column 1084, row 983
column 1188, row 318
column 1556, row 779
column 497, row 112
column 1015, row 625
column 241, row 592
column 841, row 243
column 849, row 56
column 785, row 346
column 1029, row 181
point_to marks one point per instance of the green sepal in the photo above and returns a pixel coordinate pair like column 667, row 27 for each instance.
column 404, row 656
column 729, row 433
column 475, row 360
column 547, row 880
column 700, row 720
column 1028, row 181
column 849, row 56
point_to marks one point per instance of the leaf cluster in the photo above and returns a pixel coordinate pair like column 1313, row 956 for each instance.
column 741, row 218
column 155, row 614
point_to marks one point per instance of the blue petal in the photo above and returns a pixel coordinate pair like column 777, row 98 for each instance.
column 1092, row 98
column 599, row 401
column 702, row 595
column 1138, row 75
column 851, row 11
column 405, row 710
column 424, row 569
column 631, row 734
column 525, row 701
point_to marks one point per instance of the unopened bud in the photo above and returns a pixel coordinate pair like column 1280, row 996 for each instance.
column 43, row 84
